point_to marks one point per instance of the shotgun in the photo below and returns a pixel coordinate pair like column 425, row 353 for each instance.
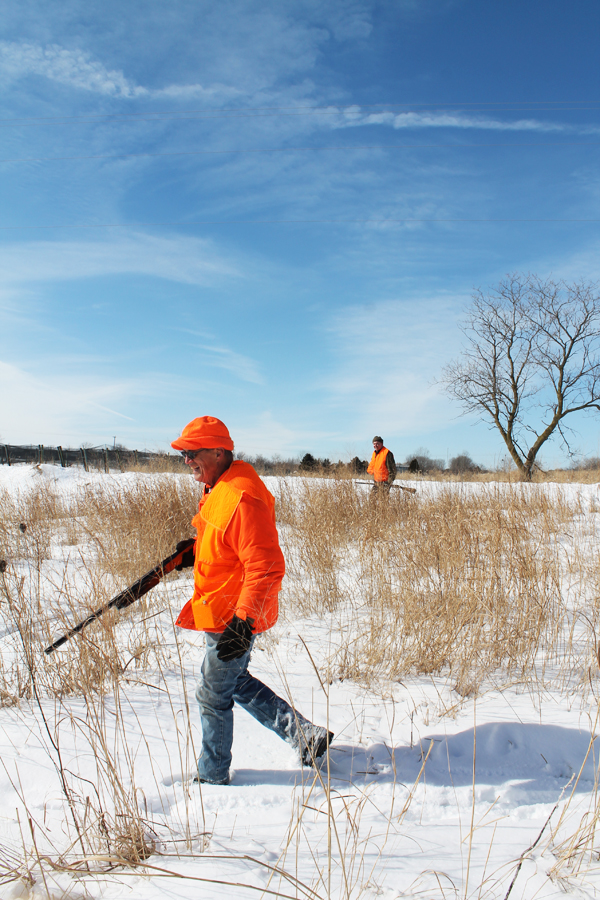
column 399, row 486
column 132, row 593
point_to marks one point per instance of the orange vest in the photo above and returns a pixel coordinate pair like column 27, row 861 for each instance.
column 239, row 565
column 378, row 467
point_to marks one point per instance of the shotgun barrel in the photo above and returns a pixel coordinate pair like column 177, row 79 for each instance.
column 130, row 594
column 399, row 486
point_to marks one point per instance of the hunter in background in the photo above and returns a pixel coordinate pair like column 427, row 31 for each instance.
column 382, row 466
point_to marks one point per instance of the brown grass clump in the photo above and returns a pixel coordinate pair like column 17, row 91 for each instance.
column 588, row 475
column 135, row 527
column 111, row 537
column 95, row 543
column 456, row 581
column 28, row 521
column 460, row 580
column 318, row 520
column 158, row 464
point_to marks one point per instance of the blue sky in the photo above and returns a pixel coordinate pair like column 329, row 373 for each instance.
column 275, row 212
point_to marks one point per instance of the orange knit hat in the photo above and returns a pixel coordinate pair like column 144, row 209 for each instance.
column 206, row 432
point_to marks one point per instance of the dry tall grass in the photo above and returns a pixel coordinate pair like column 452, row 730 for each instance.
column 462, row 581
column 467, row 583
column 453, row 581
column 107, row 539
column 134, row 528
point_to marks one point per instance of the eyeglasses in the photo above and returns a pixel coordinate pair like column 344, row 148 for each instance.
column 192, row 454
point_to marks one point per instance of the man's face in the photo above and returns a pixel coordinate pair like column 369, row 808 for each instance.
column 377, row 445
column 206, row 465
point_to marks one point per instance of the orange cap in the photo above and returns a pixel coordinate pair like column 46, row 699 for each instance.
column 206, row 432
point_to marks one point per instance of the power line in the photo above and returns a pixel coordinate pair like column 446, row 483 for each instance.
column 291, row 222
column 249, row 114
column 304, row 149
column 348, row 107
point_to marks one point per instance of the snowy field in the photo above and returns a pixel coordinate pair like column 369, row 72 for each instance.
column 426, row 792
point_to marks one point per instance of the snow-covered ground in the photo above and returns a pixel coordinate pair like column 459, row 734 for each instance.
column 425, row 793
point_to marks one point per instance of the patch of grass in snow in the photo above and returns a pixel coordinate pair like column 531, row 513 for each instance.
column 454, row 581
column 63, row 557
column 459, row 581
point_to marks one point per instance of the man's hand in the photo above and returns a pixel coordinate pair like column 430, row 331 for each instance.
column 187, row 559
column 235, row 640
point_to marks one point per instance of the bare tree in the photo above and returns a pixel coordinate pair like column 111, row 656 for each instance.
column 532, row 358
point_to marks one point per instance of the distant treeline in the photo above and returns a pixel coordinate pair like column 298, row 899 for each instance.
column 418, row 463
column 309, row 464
column 119, row 458
column 105, row 459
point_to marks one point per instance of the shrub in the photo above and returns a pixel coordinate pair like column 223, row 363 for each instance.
column 462, row 464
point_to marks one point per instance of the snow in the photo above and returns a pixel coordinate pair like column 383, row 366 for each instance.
column 402, row 807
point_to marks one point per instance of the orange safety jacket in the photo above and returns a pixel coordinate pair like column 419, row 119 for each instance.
column 378, row 467
column 239, row 565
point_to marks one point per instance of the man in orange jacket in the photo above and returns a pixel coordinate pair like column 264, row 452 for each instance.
column 238, row 570
column 382, row 466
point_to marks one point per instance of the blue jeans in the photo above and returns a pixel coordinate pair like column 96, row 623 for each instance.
column 221, row 684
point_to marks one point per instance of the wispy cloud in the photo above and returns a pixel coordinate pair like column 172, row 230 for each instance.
column 60, row 404
column 71, row 67
column 221, row 357
column 354, row 117
column 214, row 92
column 240, row 50
column 185, row 260
column 387, row 356
column 269, row 436
column 349, row 19
column 239, row 365
column 580, row 264
column 79, row 70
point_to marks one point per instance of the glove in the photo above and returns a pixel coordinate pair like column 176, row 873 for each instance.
column 235, row 640
column 188, row 557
